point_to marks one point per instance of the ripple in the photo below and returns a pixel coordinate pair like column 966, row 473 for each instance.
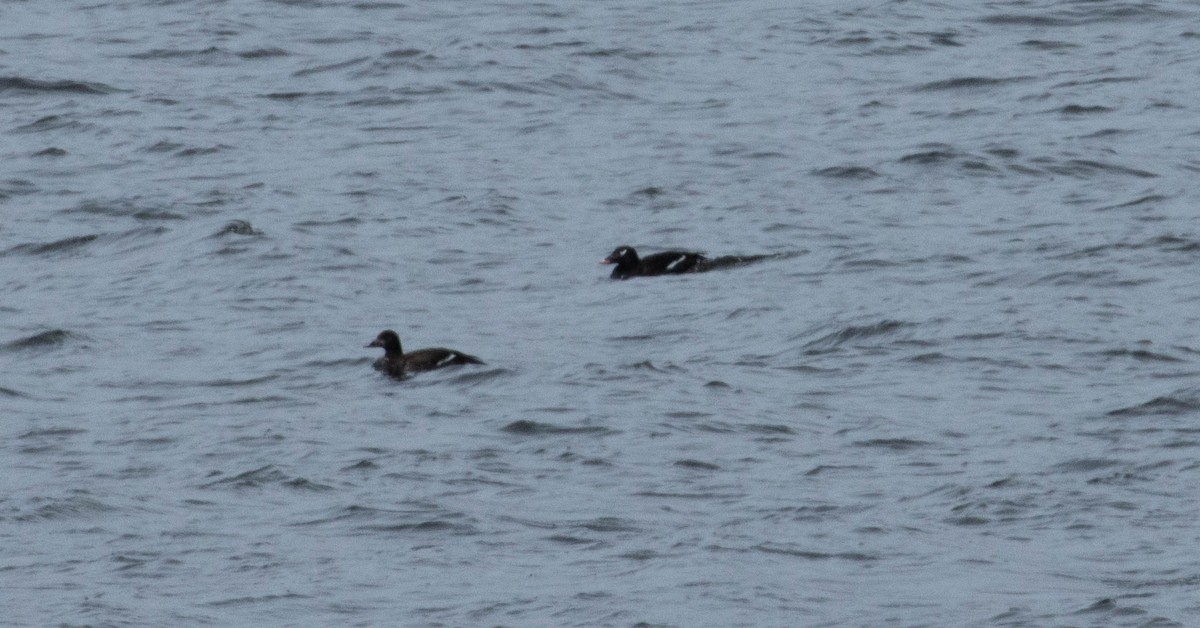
column 41, row 340
column 859, row 173
column 1081, row 110
column 256, row 600
column 177, row 53
column 1085, row 465
column 34, row 86
column 123, row 208
column 255, row 478
column 53, row 151
column 1140, row 355
column 537, row 428
column 969, row 82
column 238, row 227
column 331, row 67
column 607, row 524
column 10, row 392
column 929, row 157
column 1179, row 404
column 773, row 548
column 65, row 245
column 423, row 527
column 53, row 432
column 895, row 444
column 1088, row 168
column 688, row 463
column 57, row 509
column 262, row 53
column 832, row 341
column 54, row 123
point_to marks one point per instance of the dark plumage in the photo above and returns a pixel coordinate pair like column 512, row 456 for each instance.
column 676, row 262
column 397, row 363
column 666, row 263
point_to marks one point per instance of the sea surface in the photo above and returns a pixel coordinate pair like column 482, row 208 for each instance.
column 963, row 391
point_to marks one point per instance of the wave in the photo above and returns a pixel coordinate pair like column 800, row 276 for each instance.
column 34, row 86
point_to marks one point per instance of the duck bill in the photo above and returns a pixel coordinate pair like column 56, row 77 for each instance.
column 374, row 343
column 608, row 260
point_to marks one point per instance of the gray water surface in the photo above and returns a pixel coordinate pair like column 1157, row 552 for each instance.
column 966, row 391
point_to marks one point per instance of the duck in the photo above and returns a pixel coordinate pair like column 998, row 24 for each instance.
column 629, row 264
column 397, row 363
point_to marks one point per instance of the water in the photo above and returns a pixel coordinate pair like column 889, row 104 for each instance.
column 965, row 395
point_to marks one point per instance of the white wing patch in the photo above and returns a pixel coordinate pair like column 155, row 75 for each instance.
column 675, row 262
column 450, row 357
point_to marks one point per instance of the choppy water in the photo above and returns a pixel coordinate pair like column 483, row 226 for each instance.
column 970, row 394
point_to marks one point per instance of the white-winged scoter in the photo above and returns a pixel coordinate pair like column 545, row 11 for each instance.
column 674, row 262
column 665, row 263
column 397, row 363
